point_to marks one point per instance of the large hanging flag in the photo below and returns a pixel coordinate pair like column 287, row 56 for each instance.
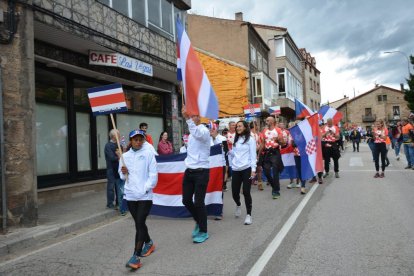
column 252, row 110
column 327, row 112
column 107, row 99
column 200, row 98
column 302, row 110
column 167, row 200
column 307, row 137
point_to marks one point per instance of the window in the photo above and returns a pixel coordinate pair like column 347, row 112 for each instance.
column 259, row 61
column 121, row 6
column 280, row 47
column 144, row 102
column 265, row 66
column 258, row 87
column 253, row 59
column 317, row 88
column 312, row 106
column 368, row 112
column 311, row 83
column 83, row 138
column 138, row 11
column 281, row 82
column 382, row 98
column 396, row 110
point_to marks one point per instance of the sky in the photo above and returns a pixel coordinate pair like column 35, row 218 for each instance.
column 348, row 38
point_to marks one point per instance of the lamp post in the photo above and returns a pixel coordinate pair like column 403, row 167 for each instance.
column 405, row 55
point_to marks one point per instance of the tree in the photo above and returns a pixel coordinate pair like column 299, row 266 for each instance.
column 409, row 93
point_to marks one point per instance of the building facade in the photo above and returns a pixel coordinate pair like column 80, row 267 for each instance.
column 54, row 52
column 285, row 67
column 311, row 81
column 238, row 42
column 381, row 102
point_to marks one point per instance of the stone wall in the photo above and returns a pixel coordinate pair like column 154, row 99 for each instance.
column 94, row 21
column 17, row 64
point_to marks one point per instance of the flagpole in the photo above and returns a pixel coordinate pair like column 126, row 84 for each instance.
column 117, row 142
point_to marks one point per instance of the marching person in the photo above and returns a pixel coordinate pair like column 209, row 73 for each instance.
column 408, row 142
column 141, row 168
column 380, row 134
column 355, row 137
column 197, row 174
column 144, row 127
column 255, row 133
column 243, row 163
column 270, row 145
column 183, row 149
column 218, row 139
column 330, row 148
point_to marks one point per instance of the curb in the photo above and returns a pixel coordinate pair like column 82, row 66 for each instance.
column 43, row 234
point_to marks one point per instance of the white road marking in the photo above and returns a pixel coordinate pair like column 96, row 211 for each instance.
column 373, row 170
column 274, row 245
column 356, row 162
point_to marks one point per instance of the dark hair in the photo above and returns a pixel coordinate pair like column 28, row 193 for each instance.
column 245, row 133
column 143, row 125
column 162, row 133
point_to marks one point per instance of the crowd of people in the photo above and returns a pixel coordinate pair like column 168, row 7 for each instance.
column 249, row 157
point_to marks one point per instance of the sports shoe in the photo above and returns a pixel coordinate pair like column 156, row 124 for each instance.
column 397, row 158
column 147, row 249
column 320, row 181
column 303, row 191
column 201, row 237
column 291, row 185
column 336, row 175
column 218, row 217
column 237, row 213
column 195, row 231
column 134, row 262
column 275, row 195
column 376, row 175
column 325, row 175
column 260, row 186
column 382, row 175
column 408, row 167
column 123, row 213
column 313, row 180
column 248, row 220
column 297, row 185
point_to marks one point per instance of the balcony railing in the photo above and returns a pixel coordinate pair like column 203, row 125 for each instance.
column 392, row 117
column 369, row 118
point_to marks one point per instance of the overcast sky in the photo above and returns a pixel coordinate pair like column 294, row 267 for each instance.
column 347, row 37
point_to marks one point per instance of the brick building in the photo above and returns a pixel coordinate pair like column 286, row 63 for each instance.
column 51, row 52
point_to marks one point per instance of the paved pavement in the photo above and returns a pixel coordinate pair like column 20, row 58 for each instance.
column 354, row 225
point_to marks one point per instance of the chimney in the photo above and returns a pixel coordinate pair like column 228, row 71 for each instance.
column 238, row 16
column 402, row 87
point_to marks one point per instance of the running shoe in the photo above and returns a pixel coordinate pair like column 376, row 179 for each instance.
column 336, row 175
column 320, row 181
column 377, row 175
column 382, row 175
column 134, row 262
column 303, row 191
column 200, row 238
column 325, row 175
column 275, row 195
column 147, row 249
column 195, row 231
column 260, row 186
column 291, row 185
column 248, row 220
column 237, row 213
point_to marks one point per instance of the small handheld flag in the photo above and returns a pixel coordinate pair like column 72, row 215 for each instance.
column 107, row 99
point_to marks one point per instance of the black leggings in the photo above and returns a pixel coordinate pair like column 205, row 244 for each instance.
column 237, row 179
column 380, row 148
column 140, row 211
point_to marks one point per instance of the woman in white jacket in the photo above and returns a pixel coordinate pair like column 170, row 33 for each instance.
column 243, row 164
column 140, row 170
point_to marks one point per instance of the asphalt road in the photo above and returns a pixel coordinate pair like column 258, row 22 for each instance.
column 354, row 225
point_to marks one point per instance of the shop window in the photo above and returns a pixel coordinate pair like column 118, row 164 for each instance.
column 102, row 136
column 83, row 138
column 50, row 87
column 51, row 140
column 144, row 102
column 80, row 92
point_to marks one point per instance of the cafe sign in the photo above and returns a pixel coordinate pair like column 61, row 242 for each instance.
column 121, row 61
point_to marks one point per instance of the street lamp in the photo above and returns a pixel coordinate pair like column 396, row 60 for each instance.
column 405, row 55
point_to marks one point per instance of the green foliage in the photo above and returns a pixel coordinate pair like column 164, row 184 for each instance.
column 409, row 93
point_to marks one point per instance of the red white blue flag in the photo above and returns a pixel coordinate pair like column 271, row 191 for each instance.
column 307, row 137
column 302, row 110
column 288, row 159
column 167, row 199
column 107, row 99
column 200, row 98
column 327, row 112
column 252, row 110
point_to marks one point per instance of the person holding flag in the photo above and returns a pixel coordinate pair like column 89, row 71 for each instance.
column 271, row 143
column 330, row 148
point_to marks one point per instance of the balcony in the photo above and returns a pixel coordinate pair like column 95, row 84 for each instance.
column 392, row 117
column 369, row 118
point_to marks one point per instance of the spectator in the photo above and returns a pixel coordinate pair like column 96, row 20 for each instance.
column 164, row 146
column 407, row 134
column 355, row 137
column 144, row 127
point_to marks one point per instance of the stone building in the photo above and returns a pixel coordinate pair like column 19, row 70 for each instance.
column 381, row 102
column 311, row 81
column 52, row 51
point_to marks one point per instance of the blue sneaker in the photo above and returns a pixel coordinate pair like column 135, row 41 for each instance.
column 134, row 262
column 275, row 195
column 147, row 249
column 201, row 237
column 195, row 231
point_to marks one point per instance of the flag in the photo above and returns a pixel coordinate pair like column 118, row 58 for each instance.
column 274, row 110
column 288, row 158
column 327, row 112
column 252, row 110
column 302, row 110
column 200, row 98
column 107, row 99
column 307, row 137
column 167, row 199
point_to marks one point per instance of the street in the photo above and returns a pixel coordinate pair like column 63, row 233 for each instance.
column 354, row 225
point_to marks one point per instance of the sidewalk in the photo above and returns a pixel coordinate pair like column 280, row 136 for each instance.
column 58, row 219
